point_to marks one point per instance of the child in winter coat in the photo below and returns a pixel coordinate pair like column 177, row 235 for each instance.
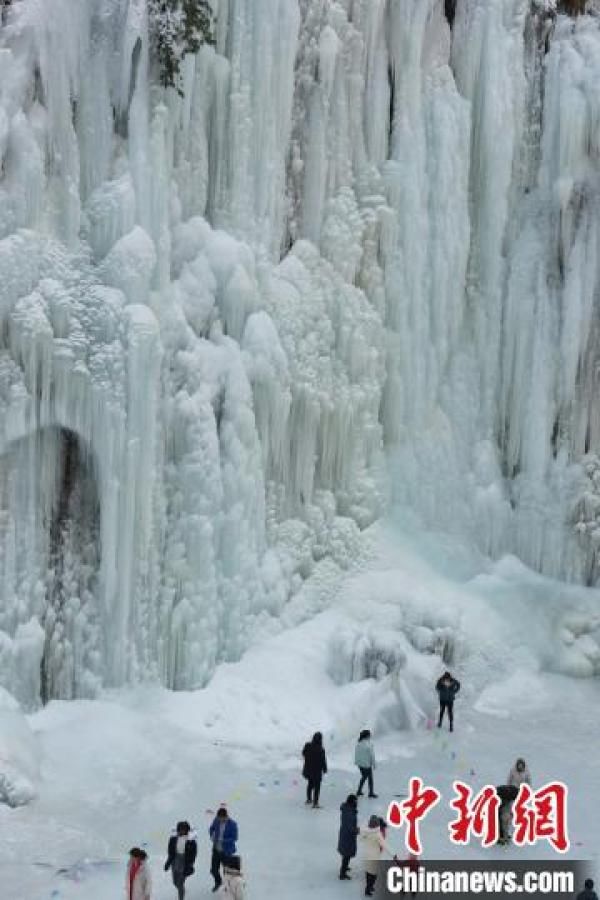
column 373, row 845
column 181, row 856
column 138, row 884
column 364, row 758
column 233, row 880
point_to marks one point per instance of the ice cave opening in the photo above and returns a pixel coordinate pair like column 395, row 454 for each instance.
column 50, row 553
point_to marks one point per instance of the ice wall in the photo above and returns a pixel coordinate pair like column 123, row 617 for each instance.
column 516, row 412
column 357, row 230
column 187, row 428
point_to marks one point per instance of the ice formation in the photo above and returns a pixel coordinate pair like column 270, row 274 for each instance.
column 19, row 754
column 359, row 232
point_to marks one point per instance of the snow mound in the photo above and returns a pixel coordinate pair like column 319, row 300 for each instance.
column 19, row 761
column 524, row 691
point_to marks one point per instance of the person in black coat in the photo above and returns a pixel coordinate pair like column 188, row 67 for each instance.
column 181, row 856
column 348, row 831
column 447, row 688
column 315, row 766
column 508, row 794
column 589, row 893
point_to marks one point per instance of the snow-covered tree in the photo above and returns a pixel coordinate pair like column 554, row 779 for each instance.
column 178, row 27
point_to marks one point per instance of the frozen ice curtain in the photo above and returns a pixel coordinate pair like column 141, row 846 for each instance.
column 356, row 254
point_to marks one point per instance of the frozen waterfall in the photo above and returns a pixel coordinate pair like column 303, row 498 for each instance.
column 358, row 255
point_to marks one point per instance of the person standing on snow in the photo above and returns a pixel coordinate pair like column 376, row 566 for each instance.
column 447, row 688
column 373, row 845
column 233, row 880
column 138, row 884
column 181, row 856
column 364, row 758
column 507, row 794
column 519, row 774
column 588, row 893
column 348, row 832
column 315, row 766
column 224, row 834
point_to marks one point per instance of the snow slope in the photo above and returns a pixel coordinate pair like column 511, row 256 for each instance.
column 122, row 769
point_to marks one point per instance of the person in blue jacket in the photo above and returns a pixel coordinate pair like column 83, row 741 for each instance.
column 447, row 688
column 223, row 834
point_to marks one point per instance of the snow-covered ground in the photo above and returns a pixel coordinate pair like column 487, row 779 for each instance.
column 121, row 770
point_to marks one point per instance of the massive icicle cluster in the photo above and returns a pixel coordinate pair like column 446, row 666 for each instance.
column 357, row 226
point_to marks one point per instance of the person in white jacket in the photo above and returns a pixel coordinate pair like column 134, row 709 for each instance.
column 364, row 758
column 373, row 846
column 233, row 880
column 138, row 883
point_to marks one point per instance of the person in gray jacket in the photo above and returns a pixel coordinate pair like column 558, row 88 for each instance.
column 364, row 758
column 519, row 774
